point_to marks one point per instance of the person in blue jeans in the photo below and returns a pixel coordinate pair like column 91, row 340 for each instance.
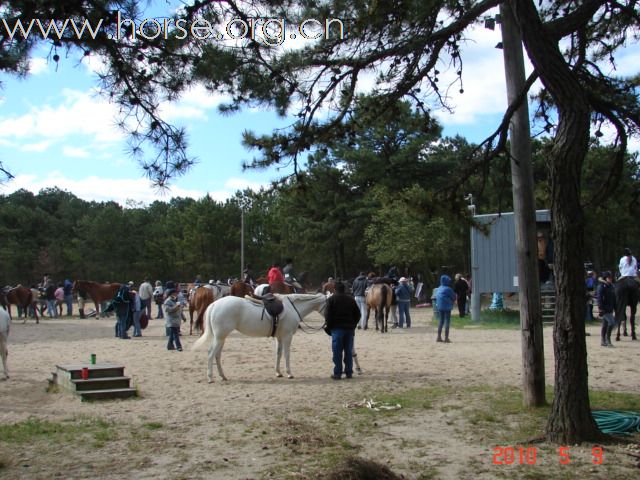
column 121, row 304
column 606, row 296
column 403, row 295
column 341, row 316
column 359, row 289
column 172, row 315
column 137, row 309
column 68, row 296
column 445, row 297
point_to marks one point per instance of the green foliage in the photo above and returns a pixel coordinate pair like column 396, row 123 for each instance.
column 32, row 430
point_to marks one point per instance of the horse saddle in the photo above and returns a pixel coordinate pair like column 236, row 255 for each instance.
column 272, row 305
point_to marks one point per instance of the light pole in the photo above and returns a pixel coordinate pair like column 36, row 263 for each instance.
column 524, row 211
column 244, row 203
column 241, row 241
column 475, row 295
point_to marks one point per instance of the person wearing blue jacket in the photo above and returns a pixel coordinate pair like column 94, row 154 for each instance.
column 445, row 298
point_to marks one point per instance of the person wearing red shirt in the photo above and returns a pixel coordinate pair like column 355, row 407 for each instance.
column 275, row 274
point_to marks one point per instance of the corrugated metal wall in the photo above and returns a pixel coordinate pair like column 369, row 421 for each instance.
column 493, row 256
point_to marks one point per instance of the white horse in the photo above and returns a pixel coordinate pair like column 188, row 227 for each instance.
column 5, row 324
column 233, row 313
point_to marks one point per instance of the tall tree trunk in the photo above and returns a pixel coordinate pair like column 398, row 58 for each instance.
column 570, row 420
column 524, row 208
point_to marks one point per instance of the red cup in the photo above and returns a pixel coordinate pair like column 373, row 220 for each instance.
column 85, row 373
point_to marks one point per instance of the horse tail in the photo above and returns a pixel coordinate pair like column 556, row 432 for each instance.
column 384, row 291
column 31, row 303
column 208, row 332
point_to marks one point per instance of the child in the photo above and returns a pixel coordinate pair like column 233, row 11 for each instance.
column 606, row 305
column 158, row 297
column 436, row 314
column 172, row 313
column 445, row 297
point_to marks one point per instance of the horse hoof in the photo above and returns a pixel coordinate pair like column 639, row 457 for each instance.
column 289, row 376
column 212, row 381
column 278, row 375
column 225, row 379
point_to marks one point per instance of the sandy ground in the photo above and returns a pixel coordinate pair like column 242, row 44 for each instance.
column 234, row 429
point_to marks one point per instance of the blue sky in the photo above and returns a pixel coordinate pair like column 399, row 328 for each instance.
column 55, row 130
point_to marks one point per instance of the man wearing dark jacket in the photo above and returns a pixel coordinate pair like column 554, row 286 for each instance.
column 606, row 307
column 461, row 287
column 341, row 317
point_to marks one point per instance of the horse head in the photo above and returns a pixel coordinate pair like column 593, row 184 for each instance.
column 305, row 303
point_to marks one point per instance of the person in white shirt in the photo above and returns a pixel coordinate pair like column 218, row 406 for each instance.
column 628, row 265
column 627, row 293
column 146, row 293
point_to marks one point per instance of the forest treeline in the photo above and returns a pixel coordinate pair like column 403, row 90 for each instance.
column 336, row 219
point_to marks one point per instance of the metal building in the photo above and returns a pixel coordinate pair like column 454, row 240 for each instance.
column 493, row 254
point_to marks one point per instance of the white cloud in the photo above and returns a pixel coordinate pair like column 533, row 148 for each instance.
column 95, row 64
column 75, row 152
column 609, row 134
column 483, row 80
column 100, row 189
column 235, row 184
column 83, row 113
column 38, row 65
column 193, row 104
column 36, row 147
column 103, row 189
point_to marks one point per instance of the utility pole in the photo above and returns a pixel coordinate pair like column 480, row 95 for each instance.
column 241, row 241
column 525, row 216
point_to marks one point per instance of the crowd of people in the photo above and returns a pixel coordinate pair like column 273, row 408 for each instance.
column 345, row 312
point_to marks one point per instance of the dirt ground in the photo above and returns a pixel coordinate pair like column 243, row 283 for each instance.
column 259, row 426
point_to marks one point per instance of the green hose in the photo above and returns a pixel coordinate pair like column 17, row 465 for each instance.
column 617, row 422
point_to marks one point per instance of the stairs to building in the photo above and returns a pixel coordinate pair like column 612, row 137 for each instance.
column 104, row 381
column 548, row 302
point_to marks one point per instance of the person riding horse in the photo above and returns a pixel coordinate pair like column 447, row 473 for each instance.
column 627, row 292
column 290, row 276
column 248, row 276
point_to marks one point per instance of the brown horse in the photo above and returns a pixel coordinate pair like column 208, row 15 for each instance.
column 379, row 298
column 328, row 288
column 99, row 292
column 199, row 300
column 23, row 298
column 281, row 287
column 240, row 289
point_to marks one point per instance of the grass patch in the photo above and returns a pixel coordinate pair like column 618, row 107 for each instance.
column 302, row 437
column 489, row 319
column 153, row 426
column 603, row 400
column 32, row 429
column 421, row 399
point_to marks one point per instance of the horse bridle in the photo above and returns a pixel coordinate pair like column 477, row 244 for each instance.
column 310, row 329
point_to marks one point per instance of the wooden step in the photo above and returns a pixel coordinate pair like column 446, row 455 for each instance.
column 100, row 370
column 103, row 383
column 108, row 394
